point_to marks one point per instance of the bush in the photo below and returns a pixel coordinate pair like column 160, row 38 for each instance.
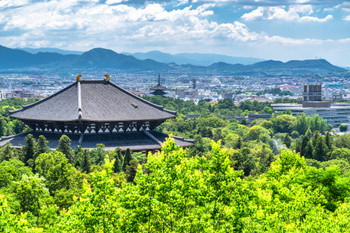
column 343, row 128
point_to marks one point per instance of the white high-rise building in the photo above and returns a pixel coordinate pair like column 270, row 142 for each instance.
column 312, row 103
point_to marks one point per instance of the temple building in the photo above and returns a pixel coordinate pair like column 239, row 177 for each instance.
column 92, row 112
column 158, row 89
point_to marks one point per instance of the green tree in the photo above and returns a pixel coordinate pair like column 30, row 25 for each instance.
column 98, row 154
column 41, row 146
column 7, row 152
column 127, row 158
column 86, row 163
column 283, row 123
column 18, row 126
column 309, row 151
column 287, row 140
column 64, row 147
column 342, row 141
column 308, row 133
column 32, row 194
column 12, row 171
column 29, row 150
column 256, row 132
column 301, row 124
column 317, row 123
column 2, row 127
column 304, row 144
column 295, row 134
column 341, row 153
column 343, row 128
column 62, row 179
column 119, row 161
column 321, row 151
column 130, row 171
column 329, row 140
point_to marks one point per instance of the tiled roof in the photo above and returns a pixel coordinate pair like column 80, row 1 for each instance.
column 93, row 100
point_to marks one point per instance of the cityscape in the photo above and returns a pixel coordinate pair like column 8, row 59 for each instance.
column 208, row 116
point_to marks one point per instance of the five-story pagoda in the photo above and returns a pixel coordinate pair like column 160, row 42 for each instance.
column 96, row 111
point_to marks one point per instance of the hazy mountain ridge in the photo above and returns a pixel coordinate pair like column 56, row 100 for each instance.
column 50, row 50
column 198, row 59
column 99, row 58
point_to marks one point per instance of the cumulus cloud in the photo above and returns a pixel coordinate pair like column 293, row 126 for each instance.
column 110, row 2
column 118, row 25
column 300, row 13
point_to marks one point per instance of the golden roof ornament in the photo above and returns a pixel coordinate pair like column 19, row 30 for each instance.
column 78, row 79
column 107, row 77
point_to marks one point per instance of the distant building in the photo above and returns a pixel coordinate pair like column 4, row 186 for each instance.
column 158, row 89
column 192, row 116
column 253, row 117
column 312, row 103
column 2, row 95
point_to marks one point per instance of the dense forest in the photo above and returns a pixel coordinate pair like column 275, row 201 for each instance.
column 285, row 174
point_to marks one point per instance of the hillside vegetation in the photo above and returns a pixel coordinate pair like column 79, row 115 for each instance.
column 285, row 174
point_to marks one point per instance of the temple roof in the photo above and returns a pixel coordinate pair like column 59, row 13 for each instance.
column 158, row 87
column 93, row 100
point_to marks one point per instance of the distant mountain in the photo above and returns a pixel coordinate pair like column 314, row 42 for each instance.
column 198, row 59
column 105, row 58
column 94, row 59
column 50, row 50
column 295, row 67
column 99, row 58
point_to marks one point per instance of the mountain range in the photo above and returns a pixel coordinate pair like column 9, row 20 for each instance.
column 99, row 58
column 197, row 59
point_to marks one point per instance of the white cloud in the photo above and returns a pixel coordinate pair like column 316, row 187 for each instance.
column 300, row 13
column 78, row 25
column 12, row 3
column 110, row 2
column 347, row 18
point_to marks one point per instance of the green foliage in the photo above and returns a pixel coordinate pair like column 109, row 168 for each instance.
column 29, row 149
column 98, row 154
column 119, row 161
column 256, row 132
column 321, row 151
column 317, row 124
column 32, row 194
column 62, row 179
column 64, row 147
column 343, row 128
column 301, row 125
column 342, row 141
column 239, row 187
column 127, row 158
column 98, row 209
column 86, row 163
column 41, row 146
column 287, row 140
column 12, row 171
column 130, row 171
column 341, row 153
column 283, row 123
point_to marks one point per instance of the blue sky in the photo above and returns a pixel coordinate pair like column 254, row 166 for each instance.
column 268, row 29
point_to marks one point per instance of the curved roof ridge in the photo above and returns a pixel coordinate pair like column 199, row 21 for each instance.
column 141, row 99
column 79, row 101
column 43, row 100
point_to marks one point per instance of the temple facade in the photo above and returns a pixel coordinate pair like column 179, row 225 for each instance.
column 96, row 111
